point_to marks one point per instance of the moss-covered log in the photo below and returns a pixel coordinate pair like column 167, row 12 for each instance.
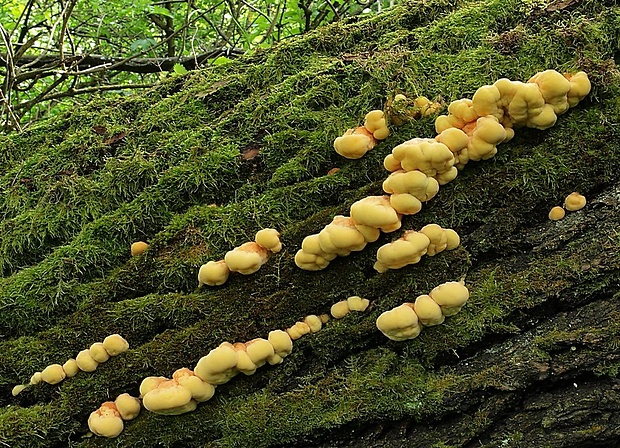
column 531, row 360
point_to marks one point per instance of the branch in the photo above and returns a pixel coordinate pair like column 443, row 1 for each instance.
column 136, row 65
column 75, row 92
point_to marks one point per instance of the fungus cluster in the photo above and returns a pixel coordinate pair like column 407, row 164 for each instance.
column 408, row 249
column 353, row 303
column 311, row 324
column 406, row 320
column 489, row 118
column 177, row 395
column 107, row 421
column 87, row 360
column 245, row 259
column 356, row 142
column 341, row 237
column 572, row 202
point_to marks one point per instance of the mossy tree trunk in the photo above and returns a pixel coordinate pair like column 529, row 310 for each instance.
column 532, row 359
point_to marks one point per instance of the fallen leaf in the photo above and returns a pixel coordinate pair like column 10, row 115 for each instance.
column 115, row 138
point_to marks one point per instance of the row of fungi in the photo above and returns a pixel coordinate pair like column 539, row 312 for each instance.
column 245, row 259
column 87, row 361
column 406, row 321
column 187, row 388
column 368, row 217
column 471, row 130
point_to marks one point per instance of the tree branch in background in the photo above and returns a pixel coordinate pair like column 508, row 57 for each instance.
column 132, row 65
column 75, row 92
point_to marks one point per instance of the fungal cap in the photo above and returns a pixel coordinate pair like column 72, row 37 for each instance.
column 450, row 296
column 339, row 309
column 453, row 239
column 405, row 204
column 556, row 213
column 282, row 346
column 310, row 262
column 150, row 383
column 574, row 202
column 486, row 101
column 201, row 391
column 70, row 367
column 356, row 303
column 35, row 378
column 376, row 211
column 244, row 363
column 218, row 366
column 85, row 361
column 298, row 330
column 313, row 322
column 399, row 323
column 354, row 143
column 391, row 164
column 115, row 344
column 404, row 251
column 427, row 310
column 259, row 350
column 106, row 421
column 579, row 87
column 370, row 234
column 341, row 237
column 454, row 138
column 247, row 258
column 554, row 88
column 98, row 352
column 53, row 374
column 18, row 389
column 138, row 248
column 169, row 398
column 213, row 273
column 438, row 239
column 269, row 239
column 128, row 407
column 375, row 122
column 413, row 182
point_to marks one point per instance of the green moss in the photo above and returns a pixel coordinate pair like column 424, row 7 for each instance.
column 72, row 204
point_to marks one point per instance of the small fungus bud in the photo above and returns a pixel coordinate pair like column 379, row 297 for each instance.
column 18, row 389
column 115, row 344
column 138, row 248
column 85, row 361
column 213, row 273
column 339, row 309
column 71, row 368
column 128, row 407
column 556, row 213
column 98, row 352
column 53, row 374
column 574, row 202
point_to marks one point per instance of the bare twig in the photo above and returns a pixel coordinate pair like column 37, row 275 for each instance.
column 66, row 14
